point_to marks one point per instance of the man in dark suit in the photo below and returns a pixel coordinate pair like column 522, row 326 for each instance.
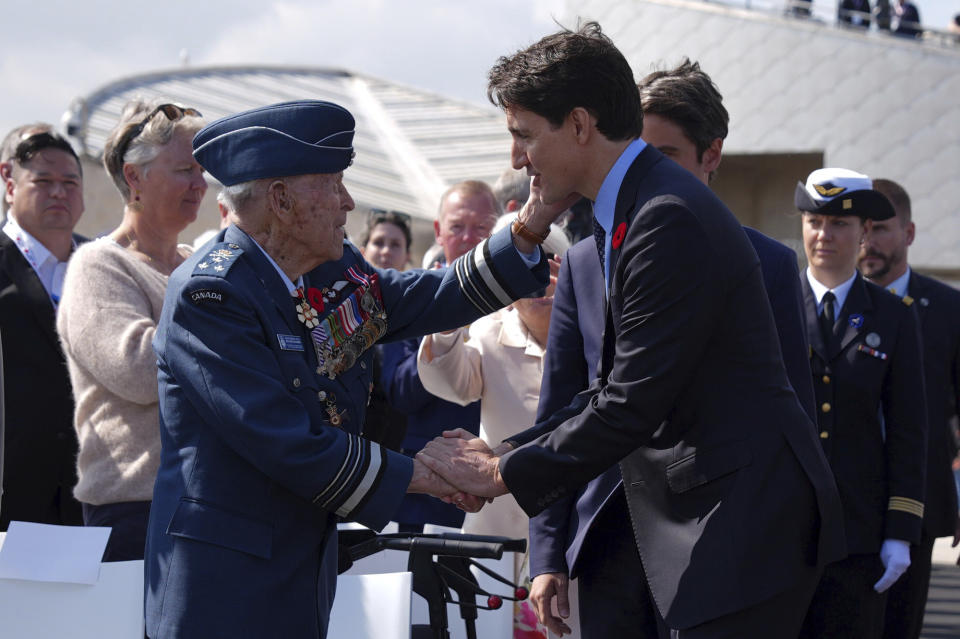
column 883, row 261
column 855, row 13
column 44, row 192
column 684, row 118
column 732, row 505
column 907, row 19
column 868, row 377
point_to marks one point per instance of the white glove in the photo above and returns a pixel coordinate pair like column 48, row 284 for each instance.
column 895, row 556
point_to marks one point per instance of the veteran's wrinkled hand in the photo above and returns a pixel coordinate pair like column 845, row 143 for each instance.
column 537, row 216
column 428, row 482
column 467, row 463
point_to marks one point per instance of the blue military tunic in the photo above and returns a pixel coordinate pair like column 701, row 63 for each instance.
column 260, row 418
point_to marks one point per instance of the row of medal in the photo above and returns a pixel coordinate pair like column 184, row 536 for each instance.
column 349, row 329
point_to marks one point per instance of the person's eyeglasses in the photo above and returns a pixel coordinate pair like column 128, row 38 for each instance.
column 378, row 216
column 173, row 112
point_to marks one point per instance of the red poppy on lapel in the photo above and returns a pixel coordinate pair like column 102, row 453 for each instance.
column 618, row 235
column 315, row 297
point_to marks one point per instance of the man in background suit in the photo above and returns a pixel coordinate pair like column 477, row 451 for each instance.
column 8, row 147
column 883, row 261
column 733, row 506
column 44, row 192
column 684, row 118
column 855, row 13
column 906, row 18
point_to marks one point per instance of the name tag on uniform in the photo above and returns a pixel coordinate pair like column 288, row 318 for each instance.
column 290, row 342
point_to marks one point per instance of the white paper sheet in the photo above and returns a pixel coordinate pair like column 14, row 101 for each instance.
column 43, row 552
column 371, row 607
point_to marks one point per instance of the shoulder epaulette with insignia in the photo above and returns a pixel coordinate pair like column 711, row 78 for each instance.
column 218, row 260
column 906, row 299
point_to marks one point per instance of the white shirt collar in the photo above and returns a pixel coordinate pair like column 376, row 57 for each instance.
column 35, row 252
column 899, row 286
column 513, row 332
column 50, row 271
column 840, row 292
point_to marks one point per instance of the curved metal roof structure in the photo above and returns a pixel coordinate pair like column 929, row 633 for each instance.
column 411, row 144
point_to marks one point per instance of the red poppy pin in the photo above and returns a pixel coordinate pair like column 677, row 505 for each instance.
column 315, row 297
column 618, row 235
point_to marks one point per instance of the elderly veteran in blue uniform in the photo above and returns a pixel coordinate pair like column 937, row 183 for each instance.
column 866, row 360
column 264, row 369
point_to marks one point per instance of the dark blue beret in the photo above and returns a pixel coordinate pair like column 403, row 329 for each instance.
column 279, row 140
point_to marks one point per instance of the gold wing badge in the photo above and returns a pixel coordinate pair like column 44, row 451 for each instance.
column 829, row 190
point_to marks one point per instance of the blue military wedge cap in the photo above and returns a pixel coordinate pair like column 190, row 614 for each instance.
column 841, row 192
column 279, row 140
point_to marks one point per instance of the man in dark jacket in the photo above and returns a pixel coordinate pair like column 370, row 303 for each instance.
column 44, row 193
column 883, row 261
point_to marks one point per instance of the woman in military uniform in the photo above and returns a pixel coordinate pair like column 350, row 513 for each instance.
column 866, row 365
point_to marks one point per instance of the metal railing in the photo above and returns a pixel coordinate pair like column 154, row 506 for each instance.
column 882, row 19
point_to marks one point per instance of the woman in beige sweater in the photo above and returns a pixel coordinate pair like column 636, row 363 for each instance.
column 113, row 294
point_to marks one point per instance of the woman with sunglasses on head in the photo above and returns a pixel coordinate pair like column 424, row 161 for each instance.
column 113, row 294
column 385, row 244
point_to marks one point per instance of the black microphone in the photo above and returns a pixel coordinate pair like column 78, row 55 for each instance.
column 445, row 547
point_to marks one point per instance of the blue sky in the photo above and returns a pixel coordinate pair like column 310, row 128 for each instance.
column 55, row 50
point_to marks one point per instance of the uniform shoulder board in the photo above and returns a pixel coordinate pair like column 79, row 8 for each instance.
column 906, row 299
column 218, row 260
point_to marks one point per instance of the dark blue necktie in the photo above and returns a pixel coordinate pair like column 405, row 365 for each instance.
column 601, row 238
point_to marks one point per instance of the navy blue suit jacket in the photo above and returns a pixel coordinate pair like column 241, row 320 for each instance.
column 40, row 450
column 573, row 349
column 692, row 398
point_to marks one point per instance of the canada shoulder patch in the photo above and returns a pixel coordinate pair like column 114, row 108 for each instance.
column 207, row 296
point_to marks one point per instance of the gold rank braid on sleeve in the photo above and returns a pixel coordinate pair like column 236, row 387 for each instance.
column 907, row 505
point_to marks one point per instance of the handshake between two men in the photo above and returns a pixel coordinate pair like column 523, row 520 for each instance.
column 459, row 468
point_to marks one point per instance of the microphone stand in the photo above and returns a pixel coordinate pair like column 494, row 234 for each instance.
column 439, row 564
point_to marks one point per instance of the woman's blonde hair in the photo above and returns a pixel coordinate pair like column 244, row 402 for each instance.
column 145, row 146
